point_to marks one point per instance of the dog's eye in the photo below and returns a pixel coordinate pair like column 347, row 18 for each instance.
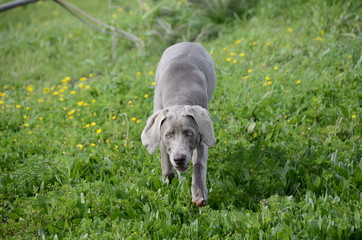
column 168, row 135
column 188, row 133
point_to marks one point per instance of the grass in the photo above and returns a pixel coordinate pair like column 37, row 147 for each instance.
column 286, row 112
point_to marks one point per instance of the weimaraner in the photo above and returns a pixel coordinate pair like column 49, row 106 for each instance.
column 180, row 123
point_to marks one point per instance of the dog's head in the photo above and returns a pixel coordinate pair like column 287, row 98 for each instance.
column 179, row 130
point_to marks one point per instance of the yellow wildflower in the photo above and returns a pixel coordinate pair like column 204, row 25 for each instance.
column 83, row 79
column 276, row 68
column 354, row 116
column 40, row 100
column 228, row 59
column 18, row 106
column 233, row 54
column 250, row 71
column 153, row 83
column 267, row 78
column 93, row 124
column 73, row 92
column 80, row 85
column 92, row 144
column 246, row 77
column 82, row 103
column 114, row 117
column 298, row 82
column 120, row 10
column 267, row 44
column 55, row 93
column 65, row 80
column 235, row 61
column 254, row 43
column 25, row 117
column 80, row 146
column 1, row 102
column 289, row 29
column 145, row 96
column 133, row 119
column 26, row 124
column 237, row 41
column 150, row 73
column 350, row 56
column 242, row 54
column 319, row 39
column 71, row 112
column 99, row 131
column 91, row 75
column 138, row 121
column 2, row 94
column 30, row 88
column 138, row 73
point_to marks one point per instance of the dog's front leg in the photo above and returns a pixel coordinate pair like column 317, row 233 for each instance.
column 198, row 189
column 167, row 168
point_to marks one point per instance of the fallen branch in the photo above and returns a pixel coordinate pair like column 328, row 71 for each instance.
column 10, row 5
column 75, row 11
column 68, row 6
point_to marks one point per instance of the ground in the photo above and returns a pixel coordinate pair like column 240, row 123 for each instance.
column 286, row 112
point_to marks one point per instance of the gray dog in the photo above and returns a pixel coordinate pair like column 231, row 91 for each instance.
column 180, row 123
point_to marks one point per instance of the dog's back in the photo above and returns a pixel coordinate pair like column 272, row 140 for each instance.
column 185, row 76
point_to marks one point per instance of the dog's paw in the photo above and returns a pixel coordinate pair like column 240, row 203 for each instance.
column 200, row 203
column 169, row 177
column 199, row 196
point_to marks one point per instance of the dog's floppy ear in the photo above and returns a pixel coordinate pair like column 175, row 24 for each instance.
column 151, row 133
column 203, row 120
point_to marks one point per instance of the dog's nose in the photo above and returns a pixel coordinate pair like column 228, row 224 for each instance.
column 179, row 159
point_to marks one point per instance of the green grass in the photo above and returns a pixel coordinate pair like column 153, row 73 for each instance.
column 287, row 116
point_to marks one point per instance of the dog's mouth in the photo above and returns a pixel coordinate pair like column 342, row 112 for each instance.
column 182, row 168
